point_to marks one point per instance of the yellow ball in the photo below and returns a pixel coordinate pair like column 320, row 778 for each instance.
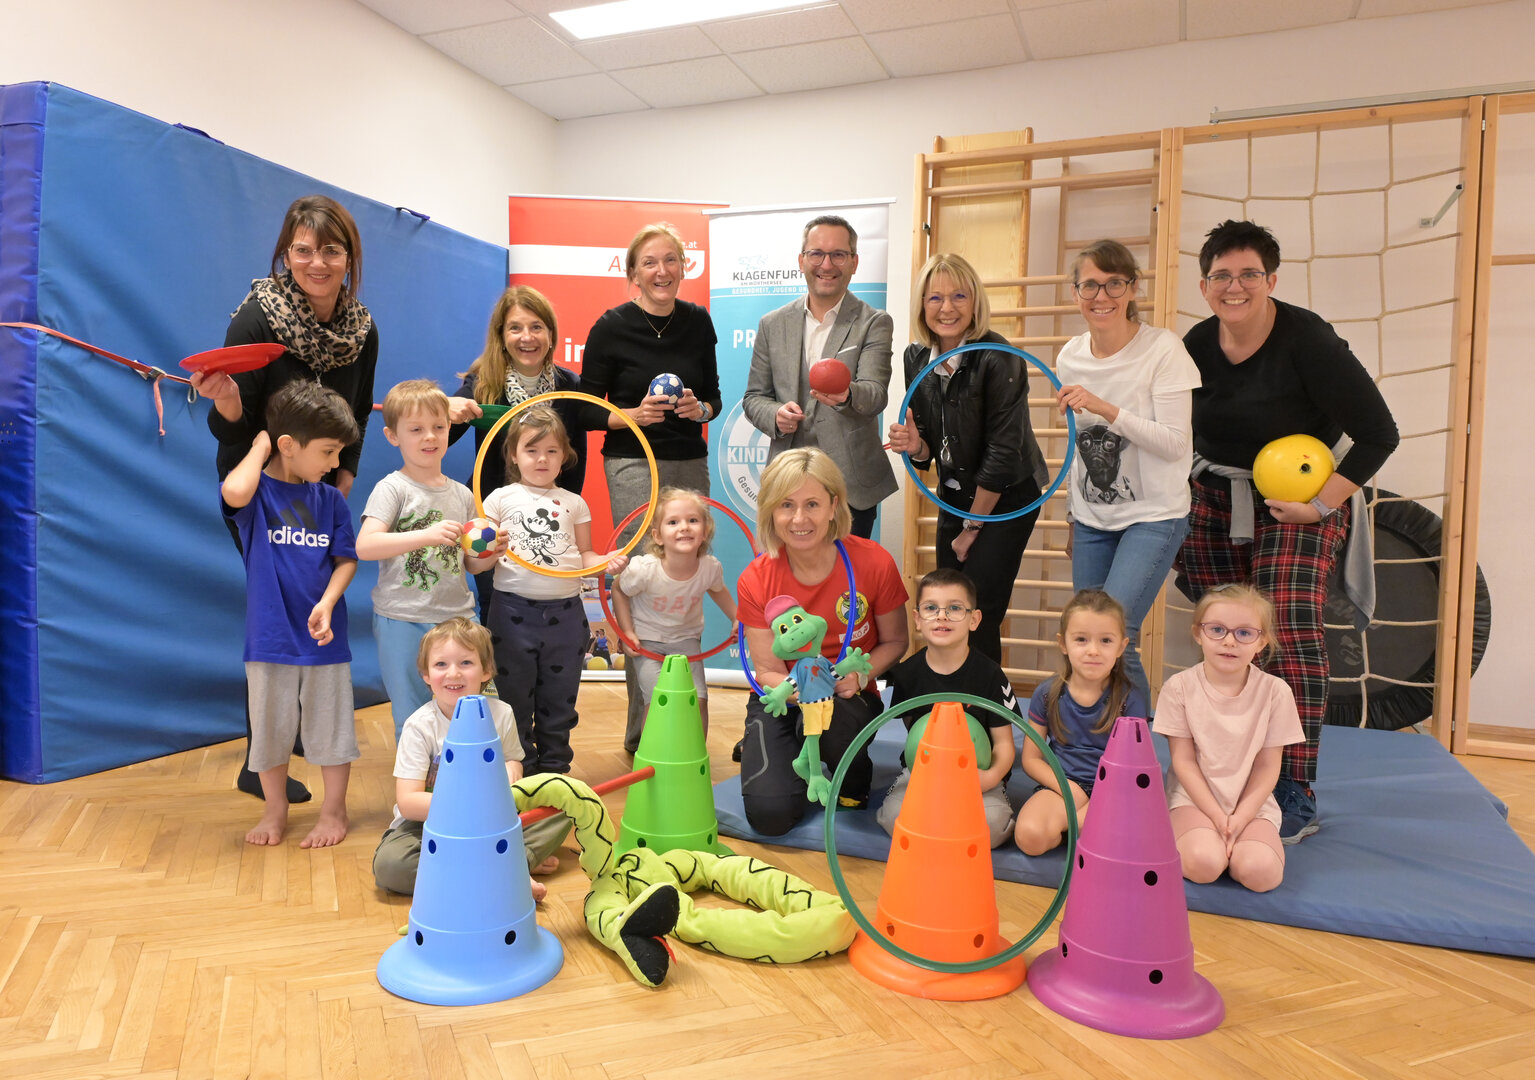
column 618, row 661
column 597, row 663
column 1292, row 469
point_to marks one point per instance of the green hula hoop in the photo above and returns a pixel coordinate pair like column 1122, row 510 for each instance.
column 831, row 836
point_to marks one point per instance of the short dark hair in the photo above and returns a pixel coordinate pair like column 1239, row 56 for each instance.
column 937, row 579
column 836, row 220
column 1232, row 235
column 331, row 224
column 305, row 411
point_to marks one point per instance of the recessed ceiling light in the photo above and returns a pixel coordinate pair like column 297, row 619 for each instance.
column 632, row 16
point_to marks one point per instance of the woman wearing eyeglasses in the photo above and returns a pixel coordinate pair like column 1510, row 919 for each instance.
column 308, row 303
column 971, row 416
column 1128, row 384
column 1271, row 369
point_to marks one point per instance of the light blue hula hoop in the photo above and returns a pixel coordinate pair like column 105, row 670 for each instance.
column 847, row 638
column 1071, row 429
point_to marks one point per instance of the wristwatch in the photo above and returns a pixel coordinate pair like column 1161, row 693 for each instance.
column 973, row 526
column 1323, row 509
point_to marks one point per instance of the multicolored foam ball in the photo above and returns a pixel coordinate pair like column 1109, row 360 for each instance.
column 668, row 386
column 478, row 539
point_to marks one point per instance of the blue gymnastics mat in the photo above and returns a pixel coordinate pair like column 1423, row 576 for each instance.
column 1412, row 848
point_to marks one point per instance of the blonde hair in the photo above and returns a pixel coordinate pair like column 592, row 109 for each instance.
column 490, row 367
column 463, row 632
column 964, row 276
column 784, row 474
column 1094, row 602
column 1254, row 598
column 647, row 234
column 536, row 421
column 653, row 545
column 413, row 396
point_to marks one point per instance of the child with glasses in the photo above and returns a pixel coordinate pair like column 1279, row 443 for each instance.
column 946, row 616
column 1227, row 723
column 1075, row 711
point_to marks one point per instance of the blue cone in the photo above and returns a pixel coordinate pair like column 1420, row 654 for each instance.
column 473, row 938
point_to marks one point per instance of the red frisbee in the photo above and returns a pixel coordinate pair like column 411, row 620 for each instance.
column 830, row 376
column 234, row 359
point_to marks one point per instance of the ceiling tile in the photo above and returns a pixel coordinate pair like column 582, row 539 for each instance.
column 689, row 82
column 582, row 95
column 643, row 50
column 1094, row 26
column 812, row 66
column 873, row 16
column 1221, row 18
column 419, row 18
column 511, row 52
column 782, row 28
column 1371, row 9
column 990, row 41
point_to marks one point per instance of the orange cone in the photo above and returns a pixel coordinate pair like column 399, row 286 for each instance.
column 938, row 900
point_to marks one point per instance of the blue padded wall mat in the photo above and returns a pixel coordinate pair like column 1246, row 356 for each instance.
column 1412, row 848
column 23, row 108
column 149, row 236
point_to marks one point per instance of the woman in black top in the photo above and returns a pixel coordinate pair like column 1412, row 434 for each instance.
column 972, row 416
column 308, row 303
column 516, row 364
column 1268, row 370
column 655, row 333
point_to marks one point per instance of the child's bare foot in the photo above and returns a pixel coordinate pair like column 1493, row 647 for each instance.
column 548, row 866
column 540, row 890
column 269, row 829
column 328, row 831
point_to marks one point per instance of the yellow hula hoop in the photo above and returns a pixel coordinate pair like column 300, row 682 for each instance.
column 572, row 395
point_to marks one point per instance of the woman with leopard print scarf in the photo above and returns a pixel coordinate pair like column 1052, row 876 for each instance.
column 308, row 303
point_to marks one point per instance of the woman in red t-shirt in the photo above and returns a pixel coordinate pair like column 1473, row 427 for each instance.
column 801, row 512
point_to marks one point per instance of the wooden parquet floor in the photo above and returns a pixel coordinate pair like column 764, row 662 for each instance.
column 139, row 936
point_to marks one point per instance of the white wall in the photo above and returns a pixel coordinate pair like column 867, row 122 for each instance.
column 326, row 87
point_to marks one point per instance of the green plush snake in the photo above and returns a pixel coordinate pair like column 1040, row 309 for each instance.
column 640, row 896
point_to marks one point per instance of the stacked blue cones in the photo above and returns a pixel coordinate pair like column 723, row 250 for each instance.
column 472, row 938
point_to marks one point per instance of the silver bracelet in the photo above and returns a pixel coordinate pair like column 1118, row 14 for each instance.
column 1322, row 508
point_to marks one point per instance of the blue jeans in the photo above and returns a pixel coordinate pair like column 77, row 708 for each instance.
column 398, row 644
column 1130, row 565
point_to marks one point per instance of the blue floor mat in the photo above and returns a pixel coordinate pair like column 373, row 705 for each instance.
column 1412, row 848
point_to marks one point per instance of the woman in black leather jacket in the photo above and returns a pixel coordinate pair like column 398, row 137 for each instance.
column 971, row 415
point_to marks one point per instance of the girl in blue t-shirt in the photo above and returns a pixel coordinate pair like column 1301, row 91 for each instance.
column 1075, row 712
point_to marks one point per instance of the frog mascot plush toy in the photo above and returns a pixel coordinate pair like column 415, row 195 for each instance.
column 797, row 636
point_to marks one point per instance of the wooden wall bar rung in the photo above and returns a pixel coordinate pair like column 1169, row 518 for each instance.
column 995, row 155
column 1523, row 259
column 1080, row 181
column 1026, row 676
column 1043, row 279
column 1051, row 339
column 1040, row 309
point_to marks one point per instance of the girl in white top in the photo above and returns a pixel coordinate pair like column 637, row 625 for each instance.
column 1227, row 723
column 1131, row 386
column 538, row 622
column 658, row 597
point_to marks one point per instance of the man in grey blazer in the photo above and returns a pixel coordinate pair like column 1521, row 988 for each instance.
column 827, row 322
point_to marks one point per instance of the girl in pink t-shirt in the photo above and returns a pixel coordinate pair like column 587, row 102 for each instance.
column 1226, row 723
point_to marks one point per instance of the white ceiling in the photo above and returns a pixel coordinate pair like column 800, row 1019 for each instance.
column 515, row 44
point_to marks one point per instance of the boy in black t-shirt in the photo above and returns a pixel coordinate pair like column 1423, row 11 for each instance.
column 946, row 614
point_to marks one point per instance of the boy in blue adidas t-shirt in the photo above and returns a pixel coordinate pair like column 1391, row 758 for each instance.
column 300, row 555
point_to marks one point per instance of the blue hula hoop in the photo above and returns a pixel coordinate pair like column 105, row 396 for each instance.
column 847, row 637
column 1071, row 428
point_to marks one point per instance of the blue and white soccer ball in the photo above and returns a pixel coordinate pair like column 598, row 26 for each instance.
column 668, row 386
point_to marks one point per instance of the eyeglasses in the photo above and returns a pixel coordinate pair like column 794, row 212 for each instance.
column 1115, row 287
column 1249, row 278
column 329, row 253
column 947, row 612
column 1245, row 635
column 816, row 256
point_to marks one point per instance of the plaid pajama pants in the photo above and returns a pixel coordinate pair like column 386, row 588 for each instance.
column 1291, row 563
